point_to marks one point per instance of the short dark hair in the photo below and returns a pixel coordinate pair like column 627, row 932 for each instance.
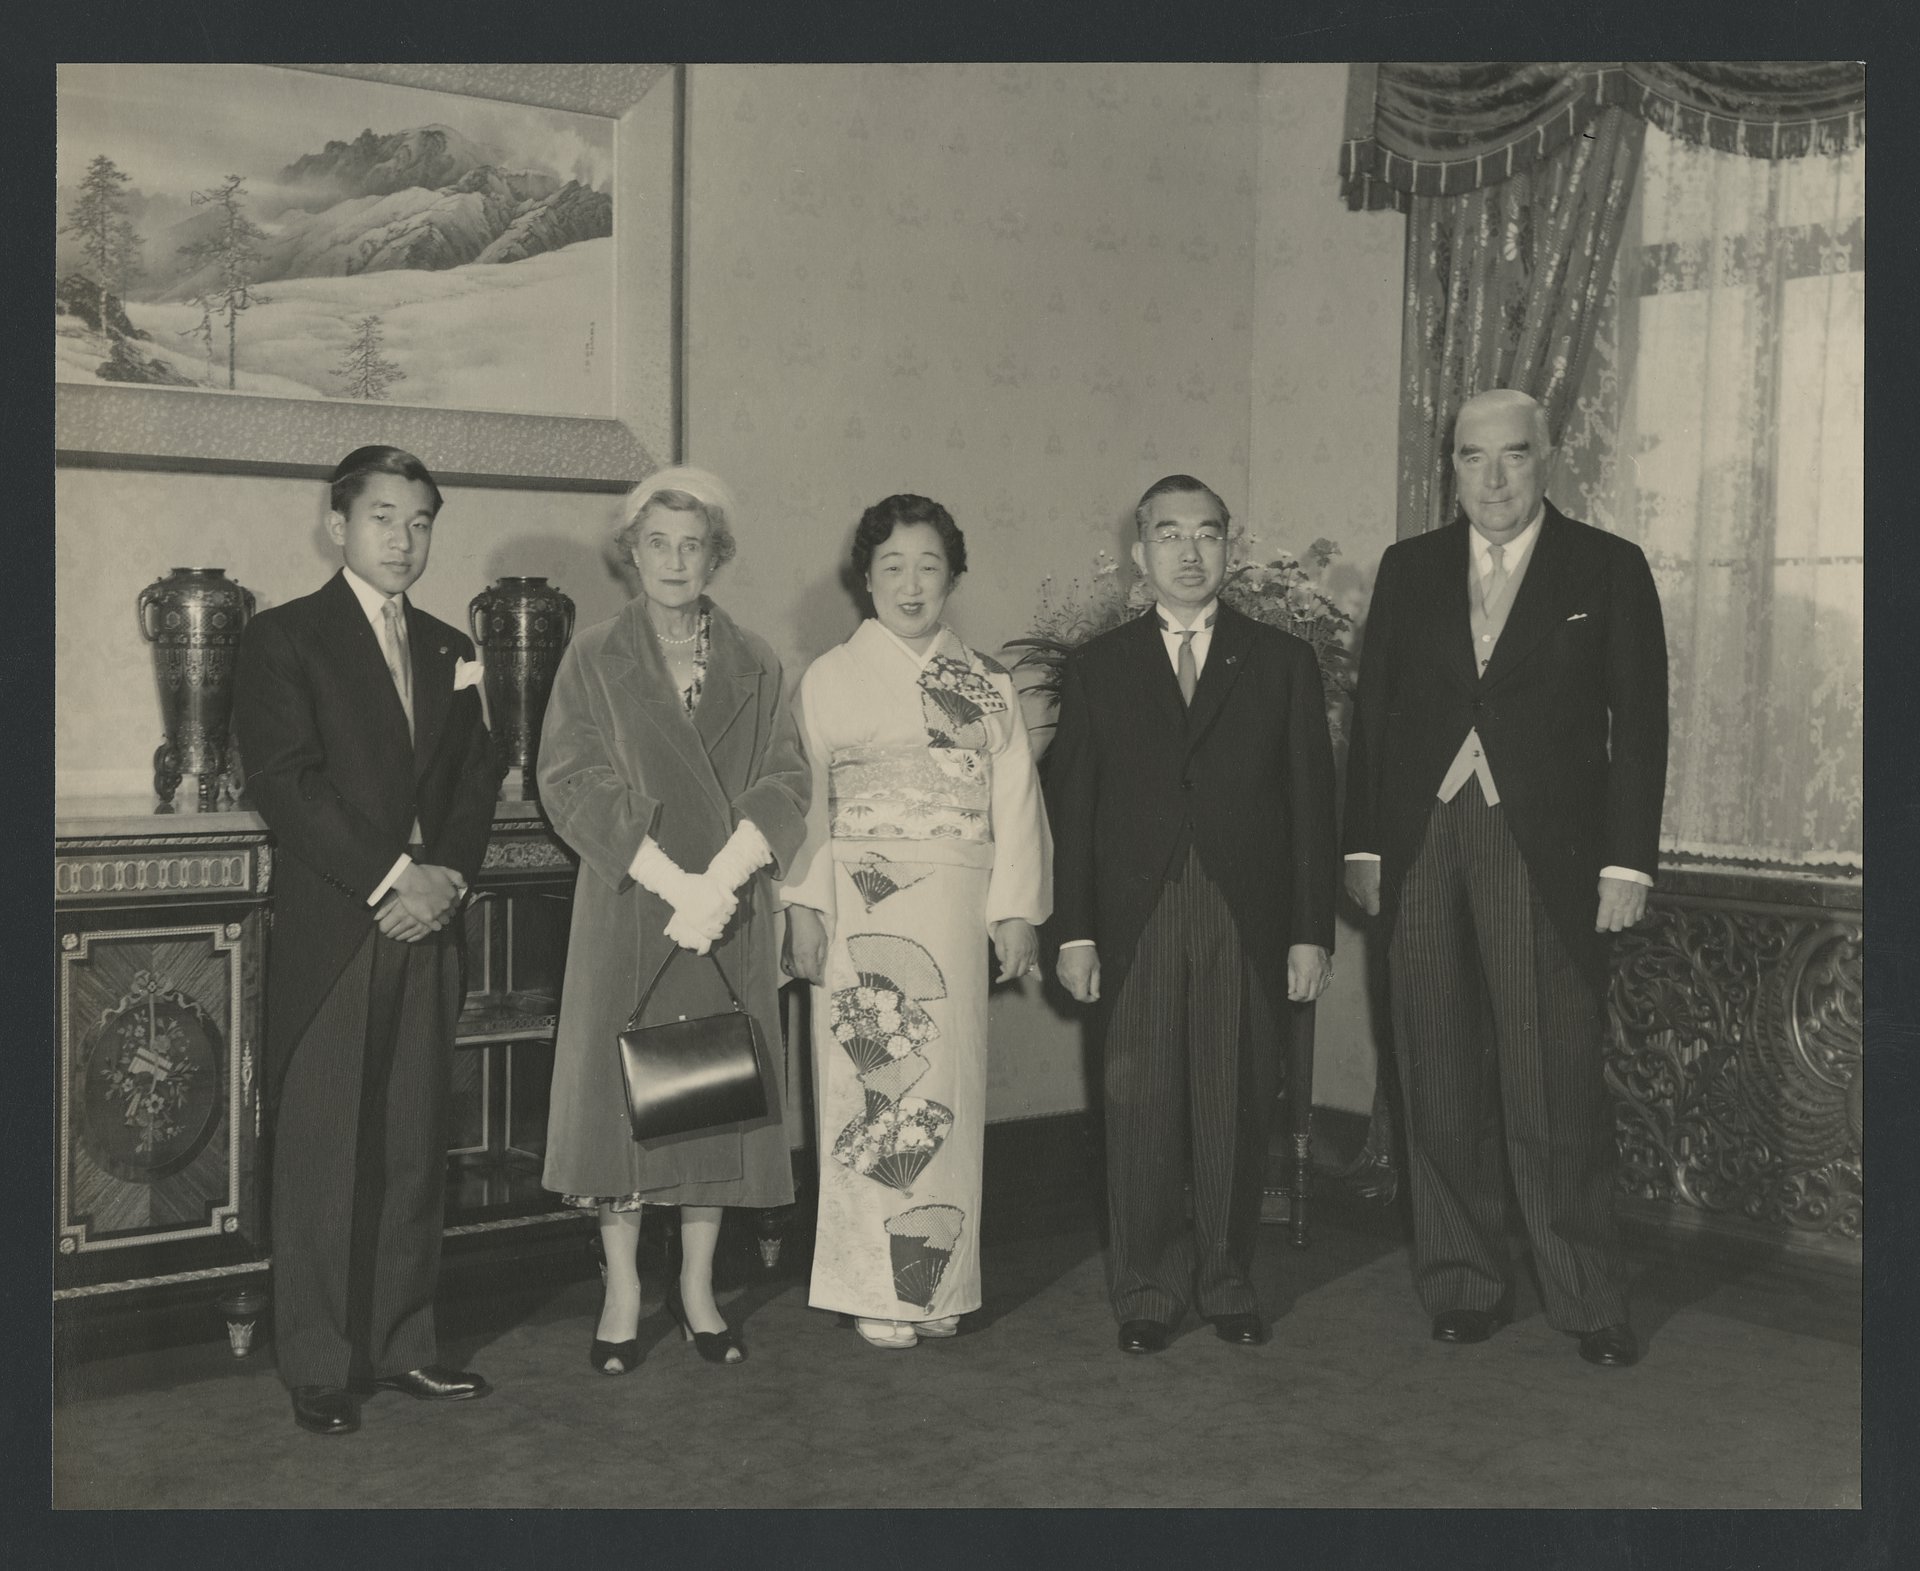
column 878, row 523
column 351, row 474
column 1177, row 485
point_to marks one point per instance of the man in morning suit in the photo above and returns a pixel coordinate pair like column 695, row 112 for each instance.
column 367, row 755
column 1504, row 787
column 1190, row 787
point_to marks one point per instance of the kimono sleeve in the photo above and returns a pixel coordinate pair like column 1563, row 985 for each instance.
column 809, row 880
column 1021, row 884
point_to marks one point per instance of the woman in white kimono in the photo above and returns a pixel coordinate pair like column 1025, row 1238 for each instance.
column 926, row 836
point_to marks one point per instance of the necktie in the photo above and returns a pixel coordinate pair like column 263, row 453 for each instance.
column 398, row 664
column 1186, row 668
column 1496, row 579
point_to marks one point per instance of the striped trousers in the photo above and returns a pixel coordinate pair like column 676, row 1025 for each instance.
column 1190, row 1078
column 1499, row 1043
column 360, row 1168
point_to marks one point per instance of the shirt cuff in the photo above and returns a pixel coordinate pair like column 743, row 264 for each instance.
column 1363, row 856
column 1080, row 943
column 1628, row 874
column 393, row 876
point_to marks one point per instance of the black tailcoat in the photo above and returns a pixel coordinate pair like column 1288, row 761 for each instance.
column 329, row 765
column 1245, row 775
column 1572, row 712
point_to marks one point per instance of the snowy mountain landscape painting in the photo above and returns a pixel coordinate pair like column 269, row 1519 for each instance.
column 264, row 230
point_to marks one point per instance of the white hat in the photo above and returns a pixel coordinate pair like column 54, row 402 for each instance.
column 704, row 487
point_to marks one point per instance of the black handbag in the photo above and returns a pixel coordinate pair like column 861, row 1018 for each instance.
column 684, row 1076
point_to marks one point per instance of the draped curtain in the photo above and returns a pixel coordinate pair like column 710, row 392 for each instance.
column 1501, row 288
column 1442, row 128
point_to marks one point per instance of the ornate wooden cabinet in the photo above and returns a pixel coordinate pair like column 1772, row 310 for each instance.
column 162, row 925
column 160, row 930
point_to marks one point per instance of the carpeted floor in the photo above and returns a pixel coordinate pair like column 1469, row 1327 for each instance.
column 1748, row 1396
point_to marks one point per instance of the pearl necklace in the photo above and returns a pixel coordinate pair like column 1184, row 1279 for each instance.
column 687, row 640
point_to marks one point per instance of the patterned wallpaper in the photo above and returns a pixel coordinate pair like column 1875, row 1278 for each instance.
column 1023, row 290
column 1326, row 356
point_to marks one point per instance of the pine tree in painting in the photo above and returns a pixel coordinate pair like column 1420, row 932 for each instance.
column 107, row 238
column 234, row 250
column 365, row 372
column 201, row 332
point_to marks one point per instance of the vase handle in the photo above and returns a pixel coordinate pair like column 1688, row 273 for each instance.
column 566, row 608
column 477, row 620
column 146, row 604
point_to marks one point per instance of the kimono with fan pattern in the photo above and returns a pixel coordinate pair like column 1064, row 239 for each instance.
column 926, row 827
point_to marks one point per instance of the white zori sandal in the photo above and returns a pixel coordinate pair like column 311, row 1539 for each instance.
column 886, row 1333
column 947, row 1325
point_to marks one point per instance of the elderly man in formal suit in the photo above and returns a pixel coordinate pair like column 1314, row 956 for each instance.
column 360, row 726
column 1504, row 789
column 1190, row 787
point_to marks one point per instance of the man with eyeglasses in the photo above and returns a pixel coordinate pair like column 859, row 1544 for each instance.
column 1190, row 786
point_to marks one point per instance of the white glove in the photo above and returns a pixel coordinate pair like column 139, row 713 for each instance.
column 744, row 854
column 701, row 904
column 683, row 932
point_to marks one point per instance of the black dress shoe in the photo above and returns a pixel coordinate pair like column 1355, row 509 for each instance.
column 1471, row 1325
column 1241, row 1330
column 325, row 1410
column 435, row 1383
column 1143, row 1336
column 1613, row 1346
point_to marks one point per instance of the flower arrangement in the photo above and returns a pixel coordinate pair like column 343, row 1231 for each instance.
column 1281, row 591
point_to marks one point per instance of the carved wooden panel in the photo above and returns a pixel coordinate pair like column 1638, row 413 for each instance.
column 1736, row 1061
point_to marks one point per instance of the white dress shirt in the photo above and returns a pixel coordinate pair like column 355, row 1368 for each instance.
column 1512, row 559
column 374, row 604
column 1172, row 625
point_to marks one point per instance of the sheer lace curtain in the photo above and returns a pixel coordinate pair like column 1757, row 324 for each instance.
column 1719, row 424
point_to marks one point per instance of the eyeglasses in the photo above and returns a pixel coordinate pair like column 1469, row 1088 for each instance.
column 1206, row 534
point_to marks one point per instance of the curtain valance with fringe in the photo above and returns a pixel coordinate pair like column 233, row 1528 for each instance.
column 1443, row 128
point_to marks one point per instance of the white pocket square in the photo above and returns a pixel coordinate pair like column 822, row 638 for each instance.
column 467, row 673
column 1578, row 616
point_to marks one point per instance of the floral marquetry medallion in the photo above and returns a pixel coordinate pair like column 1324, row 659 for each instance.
column 154, row 1085
column 1736, row 1062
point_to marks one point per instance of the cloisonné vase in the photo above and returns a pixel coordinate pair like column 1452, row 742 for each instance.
column 193, row 618
column 521, row 627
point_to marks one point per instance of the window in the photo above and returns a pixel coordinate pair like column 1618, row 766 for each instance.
column 1720, row 426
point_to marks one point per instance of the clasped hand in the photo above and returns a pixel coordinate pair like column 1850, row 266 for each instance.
column 421, row 902
column 702, row 907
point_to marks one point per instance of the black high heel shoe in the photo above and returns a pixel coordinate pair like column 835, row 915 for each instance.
column 615, row 1358
column 716, row 1347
